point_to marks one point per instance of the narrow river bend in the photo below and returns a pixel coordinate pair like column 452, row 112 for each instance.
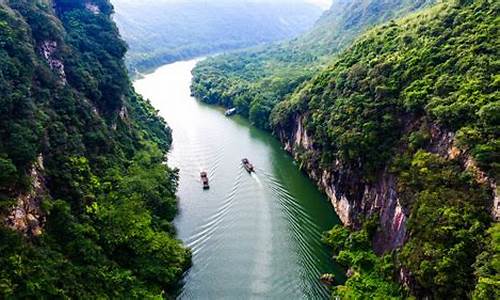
column 253, row 236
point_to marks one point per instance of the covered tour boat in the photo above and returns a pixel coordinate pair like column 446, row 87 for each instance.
column 204, row 180
column 247, row 165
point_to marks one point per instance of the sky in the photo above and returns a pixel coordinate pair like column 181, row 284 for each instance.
column 324, row 4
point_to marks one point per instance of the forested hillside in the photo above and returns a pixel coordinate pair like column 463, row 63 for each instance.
column 392, row 102
column 86, row 200
column 163, row 31
column 402, row 132
column 255, row 80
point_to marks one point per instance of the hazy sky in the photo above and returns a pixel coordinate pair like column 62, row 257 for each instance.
column 324, row 4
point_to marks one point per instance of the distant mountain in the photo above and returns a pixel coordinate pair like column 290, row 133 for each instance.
column 346, row 19
column 255, row 80
column 160, row 32
column 399, row 124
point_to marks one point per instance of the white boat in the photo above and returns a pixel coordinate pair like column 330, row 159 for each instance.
column 230, row 112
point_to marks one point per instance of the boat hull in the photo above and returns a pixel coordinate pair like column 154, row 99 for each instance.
column 248, row 166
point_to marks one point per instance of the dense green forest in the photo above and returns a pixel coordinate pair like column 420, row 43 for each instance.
column 381, row 87
column 86, row 201
column 160, row 31
column 373, row 108
column 255, row 80
column 438, row 67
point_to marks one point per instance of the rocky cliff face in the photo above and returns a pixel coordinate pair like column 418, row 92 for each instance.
column 355, row 199
column 443, row 143
column 27, row 216
column 48, row 50
column 352, row 198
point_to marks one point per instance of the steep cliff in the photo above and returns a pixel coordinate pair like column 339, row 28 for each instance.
column 403, row 127
column 355, row 199
column 86, row 199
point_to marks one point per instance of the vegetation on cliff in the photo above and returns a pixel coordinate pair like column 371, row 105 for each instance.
column 103, row 220
column 256, row 80
column 369, row 276
column 449, row 252
column 487, row 267
column 447, row 224
column 374, row 109
column 386, row 93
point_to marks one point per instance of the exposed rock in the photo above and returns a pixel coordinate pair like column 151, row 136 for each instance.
column 48, row 50
column 93, row 109
column 443, row 142
column 27, row 216
column 124, row 117
column 303, row 138
column 124, row 114
column 495, row 212
column 350, row 272
column 405, row 278
column 93, row 8
column 352, row 198
column 355, row 199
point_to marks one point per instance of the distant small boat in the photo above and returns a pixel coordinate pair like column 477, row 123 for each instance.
column 247, row 165
column 230, row 112
column 204, row 180
column 327, row 279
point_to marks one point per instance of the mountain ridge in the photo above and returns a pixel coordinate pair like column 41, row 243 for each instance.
column 255, row 80
column 400, row 131
column 187, row 29
column 86, row 200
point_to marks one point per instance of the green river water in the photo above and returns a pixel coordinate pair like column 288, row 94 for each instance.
column 253, row 236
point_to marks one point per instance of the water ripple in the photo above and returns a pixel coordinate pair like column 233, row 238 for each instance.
column 253, row 236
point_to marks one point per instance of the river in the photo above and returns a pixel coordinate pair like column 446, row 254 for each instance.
column 253, row 236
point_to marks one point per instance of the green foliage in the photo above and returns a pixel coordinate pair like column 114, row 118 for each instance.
column 101, row 50
column 101, row 150
column 146, row 116
column 487, row 267
column 387, row 94
column 402, row 70
column 19, row 130
column 265, row 76
column 7, row 172
column 371, row 277
column 179, row 30
column 449, row 215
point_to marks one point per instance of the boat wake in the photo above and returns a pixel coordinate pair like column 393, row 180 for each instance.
column 256, row 233
column 256, row 178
